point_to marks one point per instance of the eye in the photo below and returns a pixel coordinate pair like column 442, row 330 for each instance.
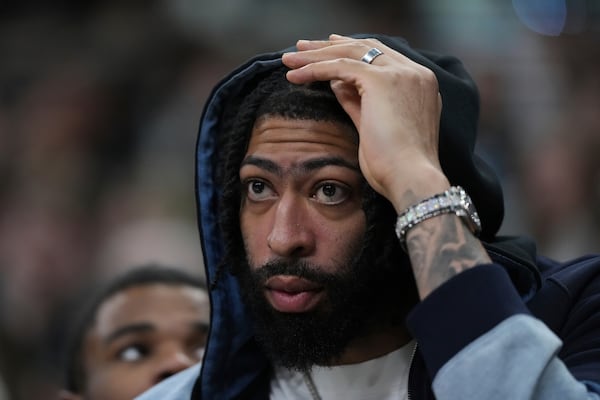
column 133, row 353
column 331, row 193
column 258, row 190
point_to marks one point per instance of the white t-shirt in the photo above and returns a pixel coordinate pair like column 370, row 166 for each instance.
column 383, row 378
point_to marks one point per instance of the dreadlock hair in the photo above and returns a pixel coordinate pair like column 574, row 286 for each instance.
column 271, row 95
column 142, row 275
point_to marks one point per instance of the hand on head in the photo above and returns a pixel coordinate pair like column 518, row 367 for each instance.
column 394, row 103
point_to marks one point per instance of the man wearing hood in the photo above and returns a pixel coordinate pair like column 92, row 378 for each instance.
column 349, row 233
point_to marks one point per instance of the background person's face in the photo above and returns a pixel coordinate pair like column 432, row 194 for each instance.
column 143, row 335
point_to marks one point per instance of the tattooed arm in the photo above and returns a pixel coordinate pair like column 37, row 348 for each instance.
column 476, row 336
column 440, row 248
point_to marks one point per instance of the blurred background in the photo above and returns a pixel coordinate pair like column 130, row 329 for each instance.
column 100, row 103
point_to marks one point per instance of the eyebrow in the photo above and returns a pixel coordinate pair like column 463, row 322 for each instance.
column 307, row 166
column 129, row 329
column 145, row 327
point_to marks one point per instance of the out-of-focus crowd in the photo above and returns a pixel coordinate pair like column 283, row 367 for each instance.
column 100, row 102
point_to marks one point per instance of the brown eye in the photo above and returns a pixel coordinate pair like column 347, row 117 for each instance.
column 257, row 187
column 133, row 353
column 331, row 193
column 258, row 190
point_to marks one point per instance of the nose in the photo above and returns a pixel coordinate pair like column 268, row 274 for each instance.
column 291, row 234
column 173, row 361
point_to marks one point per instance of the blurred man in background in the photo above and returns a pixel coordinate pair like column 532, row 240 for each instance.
column 140, row 328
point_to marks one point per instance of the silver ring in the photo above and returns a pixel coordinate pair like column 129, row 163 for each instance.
column 370, row 55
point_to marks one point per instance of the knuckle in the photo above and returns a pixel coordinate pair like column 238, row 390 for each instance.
column 433, row 82
column 427, row 77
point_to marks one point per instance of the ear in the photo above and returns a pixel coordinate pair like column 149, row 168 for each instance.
column 67, row 395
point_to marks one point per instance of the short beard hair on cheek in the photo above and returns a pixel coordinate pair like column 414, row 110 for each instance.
column 298, row 341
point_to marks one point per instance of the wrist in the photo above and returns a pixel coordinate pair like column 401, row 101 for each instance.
column 452, row 201
column 413, row 190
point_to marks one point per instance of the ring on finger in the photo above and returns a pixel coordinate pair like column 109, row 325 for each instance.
column 370, row 55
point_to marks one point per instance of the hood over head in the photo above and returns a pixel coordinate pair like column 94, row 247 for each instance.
column 234, row 366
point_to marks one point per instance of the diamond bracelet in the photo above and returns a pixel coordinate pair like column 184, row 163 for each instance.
column 453, row 201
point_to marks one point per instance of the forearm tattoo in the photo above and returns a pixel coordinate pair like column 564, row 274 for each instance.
column 440, row 248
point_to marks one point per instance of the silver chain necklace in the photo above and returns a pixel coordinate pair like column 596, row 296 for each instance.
column 312, row 388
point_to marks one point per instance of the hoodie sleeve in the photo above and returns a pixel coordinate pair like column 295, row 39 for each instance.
column 176, row 387
column 479, row 341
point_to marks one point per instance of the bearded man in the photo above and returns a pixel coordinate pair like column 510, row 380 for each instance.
column 350, row 235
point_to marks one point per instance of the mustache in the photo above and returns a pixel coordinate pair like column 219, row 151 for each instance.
column 301, row 269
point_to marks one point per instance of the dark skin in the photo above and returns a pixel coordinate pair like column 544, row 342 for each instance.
column 292, row 211
column 141, row 336
column 398, row 152
column 303, row 201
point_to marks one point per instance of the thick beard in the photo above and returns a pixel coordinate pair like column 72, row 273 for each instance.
column 360, row 298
